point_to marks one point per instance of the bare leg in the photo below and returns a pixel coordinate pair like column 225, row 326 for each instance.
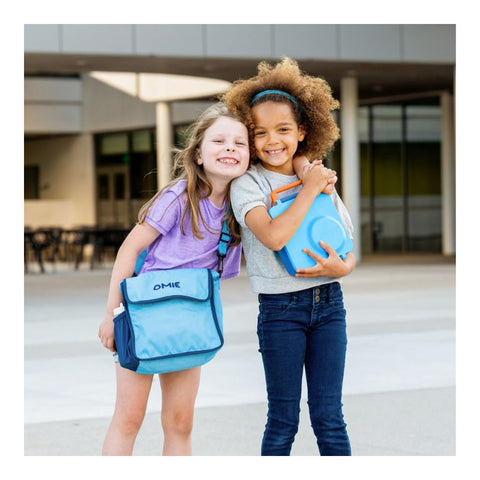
column 133, row 390
column 179, row 391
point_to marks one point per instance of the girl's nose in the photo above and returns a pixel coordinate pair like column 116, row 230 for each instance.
column 272, row 139
column 230, row 148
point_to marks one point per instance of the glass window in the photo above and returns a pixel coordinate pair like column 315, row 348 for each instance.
column 424, row 123
column 363, row 128
column 142, row 141
column 114, row 144
column 387, row 123
column 136, row 149
column 424, row 177
column 119, row 185
column 103, row 187
column 400, row 177
column 387, row 228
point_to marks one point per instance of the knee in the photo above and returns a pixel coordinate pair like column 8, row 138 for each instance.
column 326, row 413
column 130, row 422
column 283, row 429
column 177, row 422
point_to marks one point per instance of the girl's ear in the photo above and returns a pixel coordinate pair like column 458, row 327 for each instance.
column 301, row 133
column 198, row 157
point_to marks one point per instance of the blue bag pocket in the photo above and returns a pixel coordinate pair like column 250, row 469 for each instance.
column 124, row 341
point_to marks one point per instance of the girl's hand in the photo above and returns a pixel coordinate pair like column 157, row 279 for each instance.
column 105, row 333
column 140, row 237
column 305, row 168
column 319, row 176
column 332, row 266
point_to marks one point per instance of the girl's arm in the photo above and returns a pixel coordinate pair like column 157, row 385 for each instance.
column 275, row 233
column 140, row 237
column 301, row 165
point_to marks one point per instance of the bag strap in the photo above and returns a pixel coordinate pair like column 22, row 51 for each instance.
column 223, row 242
column 139, row 264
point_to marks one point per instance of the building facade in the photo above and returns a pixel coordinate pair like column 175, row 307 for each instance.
column 94, row 153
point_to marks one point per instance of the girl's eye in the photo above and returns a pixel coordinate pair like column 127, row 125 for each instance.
column 259, row 132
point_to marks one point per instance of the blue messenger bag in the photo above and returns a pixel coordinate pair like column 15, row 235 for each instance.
column 322, row 222
column 172, row 319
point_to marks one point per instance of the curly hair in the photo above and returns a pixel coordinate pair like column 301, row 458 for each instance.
column 313, row 93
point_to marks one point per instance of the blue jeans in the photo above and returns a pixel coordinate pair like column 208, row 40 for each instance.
column 297, row 329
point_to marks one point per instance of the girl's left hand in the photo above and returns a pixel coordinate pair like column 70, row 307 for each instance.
column 332, row 266
column 331, row 181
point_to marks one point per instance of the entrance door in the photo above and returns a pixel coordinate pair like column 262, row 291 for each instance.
column 113, row 187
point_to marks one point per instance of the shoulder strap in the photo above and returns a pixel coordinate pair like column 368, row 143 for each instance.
column 139, row 264
column 223, row 242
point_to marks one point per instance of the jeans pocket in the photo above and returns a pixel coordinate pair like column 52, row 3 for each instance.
column 335, row 297
column 274, row 304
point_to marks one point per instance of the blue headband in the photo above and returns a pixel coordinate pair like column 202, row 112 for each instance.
column 278, row 92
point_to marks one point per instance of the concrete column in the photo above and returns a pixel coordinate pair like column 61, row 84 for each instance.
column 164, row 135
column 448, row 174
column 350, row 177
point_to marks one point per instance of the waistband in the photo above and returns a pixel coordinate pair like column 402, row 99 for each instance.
column 323, row 291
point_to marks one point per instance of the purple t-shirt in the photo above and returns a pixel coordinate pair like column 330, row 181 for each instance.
column 172, row 249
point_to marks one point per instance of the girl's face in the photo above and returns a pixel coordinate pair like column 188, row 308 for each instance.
column 224, row 151
column 276, row 136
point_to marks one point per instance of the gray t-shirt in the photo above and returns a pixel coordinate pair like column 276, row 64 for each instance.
column 264, row 267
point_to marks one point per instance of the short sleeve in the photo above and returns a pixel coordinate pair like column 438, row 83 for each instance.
column 245, row 194
column 165, row 212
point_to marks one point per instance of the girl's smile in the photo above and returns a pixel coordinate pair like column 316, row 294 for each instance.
column 228, row 161
column 276, row 136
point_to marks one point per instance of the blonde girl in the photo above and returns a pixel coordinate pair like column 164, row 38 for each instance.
column 180, row 226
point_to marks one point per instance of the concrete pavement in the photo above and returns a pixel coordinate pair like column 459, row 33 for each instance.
column 399, row 389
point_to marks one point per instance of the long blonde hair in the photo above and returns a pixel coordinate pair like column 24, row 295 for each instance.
column 198, row 186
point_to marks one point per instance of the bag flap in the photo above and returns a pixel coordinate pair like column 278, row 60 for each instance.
column 193, row 283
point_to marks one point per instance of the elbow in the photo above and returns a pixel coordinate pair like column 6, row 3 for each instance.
column 269, row 233
column 277, row 239
column 275, row 243
column 352, row 261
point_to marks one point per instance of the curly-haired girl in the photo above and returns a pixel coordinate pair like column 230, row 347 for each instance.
column 301, row 321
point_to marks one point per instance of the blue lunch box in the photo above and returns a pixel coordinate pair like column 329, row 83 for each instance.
column 322, row 222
